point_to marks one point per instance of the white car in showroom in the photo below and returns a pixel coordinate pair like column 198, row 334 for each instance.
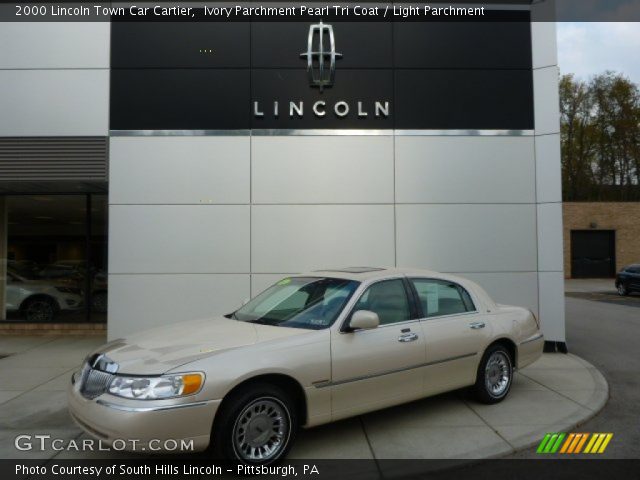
column 311, row 349
column 39, row 300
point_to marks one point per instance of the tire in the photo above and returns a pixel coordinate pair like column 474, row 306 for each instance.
column 495, row 375
column 239, row 431
column 39, row 309
column 622, row 290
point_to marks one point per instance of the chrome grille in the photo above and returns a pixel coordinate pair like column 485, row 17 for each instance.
column 93, row 382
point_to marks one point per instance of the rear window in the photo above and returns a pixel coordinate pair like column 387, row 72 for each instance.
column 439, row 297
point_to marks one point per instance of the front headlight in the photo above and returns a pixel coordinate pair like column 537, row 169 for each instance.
column 152, row 388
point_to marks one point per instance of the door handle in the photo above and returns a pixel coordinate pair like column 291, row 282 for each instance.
column 476, row 325
column 408, row 337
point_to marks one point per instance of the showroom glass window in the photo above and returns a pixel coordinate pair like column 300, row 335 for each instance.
column 54, row 264
column 439, row 298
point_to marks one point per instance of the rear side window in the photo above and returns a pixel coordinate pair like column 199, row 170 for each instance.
column 438, row 297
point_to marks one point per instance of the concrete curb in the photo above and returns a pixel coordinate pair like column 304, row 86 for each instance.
column 595, row 408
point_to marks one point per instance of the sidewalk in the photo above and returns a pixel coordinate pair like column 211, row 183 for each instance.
column 590, row 285
column 555, row 394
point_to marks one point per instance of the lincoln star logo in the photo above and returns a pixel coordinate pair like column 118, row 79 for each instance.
column 321, row 61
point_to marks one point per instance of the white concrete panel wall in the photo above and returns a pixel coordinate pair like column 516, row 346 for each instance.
column 548, row 172
column 548, row 176
column 54, row 103
column 179, row 170
column 294, row 238
column 312, row 170
column 58, row 76
column 179, row 238
column 467, row 238
column 138, row 302
column 54, row 45
column 465, row 170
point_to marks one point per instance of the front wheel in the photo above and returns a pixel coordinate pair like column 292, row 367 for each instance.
column 622, row 290
column 495, row 375
column 255, row 426
column 39, row 309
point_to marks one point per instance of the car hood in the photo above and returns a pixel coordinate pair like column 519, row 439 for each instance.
column 156, row 351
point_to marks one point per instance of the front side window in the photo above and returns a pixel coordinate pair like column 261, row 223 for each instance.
column 299, row 302
column 388, row 299
column 439, row 297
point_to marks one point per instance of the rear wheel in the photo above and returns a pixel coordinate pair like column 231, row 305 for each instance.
column 495, row 375
column 256, row 425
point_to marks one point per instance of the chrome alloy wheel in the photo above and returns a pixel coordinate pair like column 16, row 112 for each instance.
column 261, row 431
column 622, row 290
column 497, row 374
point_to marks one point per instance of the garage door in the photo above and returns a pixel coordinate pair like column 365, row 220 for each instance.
column 593, row 253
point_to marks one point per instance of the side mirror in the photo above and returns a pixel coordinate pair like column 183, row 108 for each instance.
column 364, row 320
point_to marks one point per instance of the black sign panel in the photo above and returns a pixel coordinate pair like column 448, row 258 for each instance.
column 179, row 99
column 484, row 45
column 180, row 45
column 241, row 75
column 464, row 99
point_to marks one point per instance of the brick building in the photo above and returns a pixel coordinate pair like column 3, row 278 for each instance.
column 600, row 238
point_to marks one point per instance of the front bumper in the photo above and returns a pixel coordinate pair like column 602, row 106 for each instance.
column 153, row 426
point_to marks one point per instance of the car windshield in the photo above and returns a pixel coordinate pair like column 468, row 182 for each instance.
column 299, row 302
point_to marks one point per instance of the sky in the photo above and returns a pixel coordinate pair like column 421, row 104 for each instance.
column 589, row 48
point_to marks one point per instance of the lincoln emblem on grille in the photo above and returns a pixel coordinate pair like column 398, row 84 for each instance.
column 100, row 361
column 321, row 61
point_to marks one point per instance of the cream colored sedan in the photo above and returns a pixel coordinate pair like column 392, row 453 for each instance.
column 311, row 349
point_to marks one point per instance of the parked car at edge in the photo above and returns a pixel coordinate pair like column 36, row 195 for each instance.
column 628, row 280
column 311, row 349
column 40, row 300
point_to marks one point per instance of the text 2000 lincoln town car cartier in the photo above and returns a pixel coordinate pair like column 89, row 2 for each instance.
column 311, row 349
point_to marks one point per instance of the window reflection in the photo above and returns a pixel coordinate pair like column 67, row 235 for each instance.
column 55, row 258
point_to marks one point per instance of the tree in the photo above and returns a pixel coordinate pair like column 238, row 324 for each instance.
column 600, row 137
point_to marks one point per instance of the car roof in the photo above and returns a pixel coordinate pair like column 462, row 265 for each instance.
column 369, row 273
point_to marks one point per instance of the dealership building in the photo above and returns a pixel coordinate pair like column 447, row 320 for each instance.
column 152, row 172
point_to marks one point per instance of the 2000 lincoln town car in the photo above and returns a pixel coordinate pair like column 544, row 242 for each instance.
column 311, row 349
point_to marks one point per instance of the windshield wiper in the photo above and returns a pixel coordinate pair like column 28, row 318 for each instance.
column 264, row 321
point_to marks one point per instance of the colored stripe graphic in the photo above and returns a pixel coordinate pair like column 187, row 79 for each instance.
column 543, row 443
column 581, row 443
column 551, row 442
column 565, row 447
column 598, row 443
column 574, row 443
